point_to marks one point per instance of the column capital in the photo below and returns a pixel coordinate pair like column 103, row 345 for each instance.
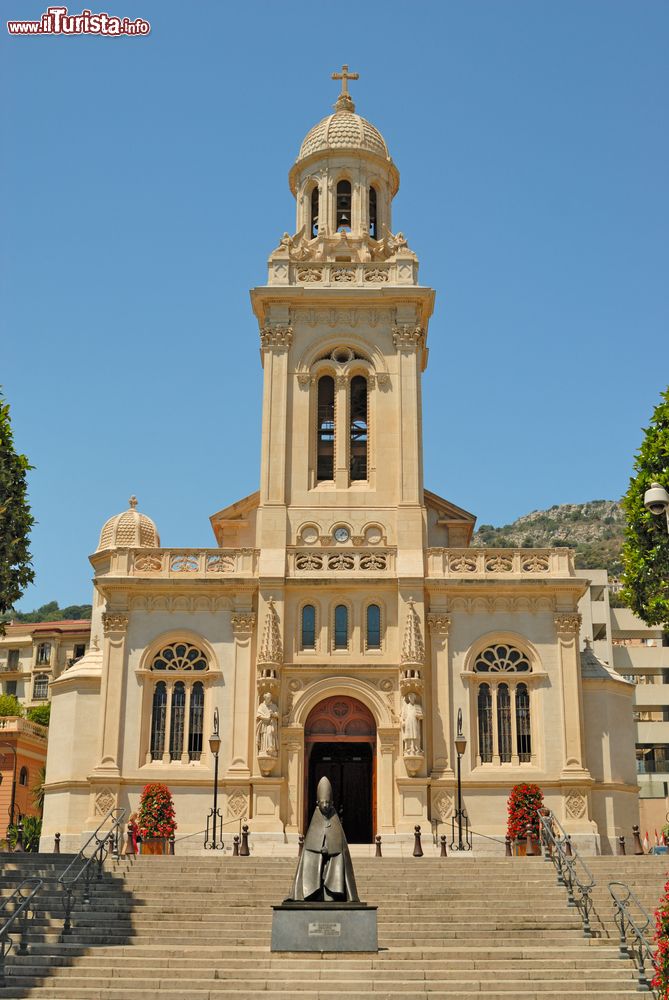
column 276, row 337
column 242, row 623
column 407, row 337
column 439, row 623
column 114, row 622
column 567, row 624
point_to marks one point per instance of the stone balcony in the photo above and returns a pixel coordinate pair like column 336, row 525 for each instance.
column 343, row 274
column 499, row 563
column 341, row 562
column 12, row 724
column 210, row 564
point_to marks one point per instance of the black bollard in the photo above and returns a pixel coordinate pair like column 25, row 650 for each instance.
column 567, row 847
column 621, row 844
column 244, row 849
column 19, row 849
column 508, row 853
column 235, row 846
column 377, row 853
column 56, row 844
column 172, row 842
column 442, row 852
column 417, row 849
column 300, row 845
column 638, row 846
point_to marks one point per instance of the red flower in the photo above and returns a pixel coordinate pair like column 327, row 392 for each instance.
column 156, row 812
column 524, row 801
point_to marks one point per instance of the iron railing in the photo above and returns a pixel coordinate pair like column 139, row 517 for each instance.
column 21, row 915
column 633, row 920
column 572, row 871
column 80, row 871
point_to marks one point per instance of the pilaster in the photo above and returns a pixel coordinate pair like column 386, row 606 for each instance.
column 243, row 623
column 567, row 626
column 115, row 629
column 439, row 625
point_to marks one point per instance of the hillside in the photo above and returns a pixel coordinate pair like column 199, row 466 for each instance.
column 594, row 529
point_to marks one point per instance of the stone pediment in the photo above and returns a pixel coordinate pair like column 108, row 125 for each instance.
column 235, row 525
column 447, row 524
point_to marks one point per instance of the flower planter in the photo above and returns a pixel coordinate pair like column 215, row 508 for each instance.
column 520, row 848
column 154, row 845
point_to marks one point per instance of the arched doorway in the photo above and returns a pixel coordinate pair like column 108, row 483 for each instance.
column 340, row 744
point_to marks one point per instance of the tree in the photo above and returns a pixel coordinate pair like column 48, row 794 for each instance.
column 16, row 571
column 41, row 714
column 10, row 705
column 646, row 548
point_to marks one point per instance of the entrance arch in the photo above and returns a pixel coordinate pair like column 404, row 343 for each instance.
column 340, row 744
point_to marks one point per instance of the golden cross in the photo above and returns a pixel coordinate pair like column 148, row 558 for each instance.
column 345, row 76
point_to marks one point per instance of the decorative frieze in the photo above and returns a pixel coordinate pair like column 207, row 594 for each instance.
column 112, row 622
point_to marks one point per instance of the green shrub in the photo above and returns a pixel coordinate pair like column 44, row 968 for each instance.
column 40, row 714
column 10, row 705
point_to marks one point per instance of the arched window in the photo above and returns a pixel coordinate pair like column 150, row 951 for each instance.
column 23, row 777
column 325, row 429
column 485, row 723
column 373, row 219
column 196, row 721
column 179, row 656
column 504, row 723
column 177, row 720
column 341, row 627
column 158, row 716
column 501, row 657
column 314, row 212
column 40, row 687
column 523, row 728
column 373, row 627
column 343, row 205
column 308, row 638
column 358, row 428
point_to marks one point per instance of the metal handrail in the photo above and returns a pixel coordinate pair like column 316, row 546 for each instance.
column 110, row 843
column 568, row 863
column 640, row 949
column 25, row 912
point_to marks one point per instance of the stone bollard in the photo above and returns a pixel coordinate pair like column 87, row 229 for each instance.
column 567, row 847
column 530, row 851
column 171, row 847
column 508, row 853
column 300, row 845
column 244, row 849
column 417, row 848
column 638, row 846
column 442, row 852
column 621, row 844
column 235, row 846
column 19, row 849
column 56, row 844
column 377, row 853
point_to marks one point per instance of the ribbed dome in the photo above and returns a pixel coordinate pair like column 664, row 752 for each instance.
column 343, row 130
column 129, row 529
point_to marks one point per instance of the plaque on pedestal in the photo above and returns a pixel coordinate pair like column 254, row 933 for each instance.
column 298, row 926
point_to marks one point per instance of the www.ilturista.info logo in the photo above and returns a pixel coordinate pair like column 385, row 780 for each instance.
column 57, row 21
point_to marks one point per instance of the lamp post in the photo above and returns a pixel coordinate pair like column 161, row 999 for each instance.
column 212, row 842
column 460, row 815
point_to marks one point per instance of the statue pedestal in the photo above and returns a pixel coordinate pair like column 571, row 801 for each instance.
column 299, row 926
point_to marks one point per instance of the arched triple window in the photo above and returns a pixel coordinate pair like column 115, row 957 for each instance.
column 503, row 706
column 343, row 206
column 308, row 629
column 325, row 444
column 314, row 212
column 341, row 627
column 358, row 428
column 177, row 704
column 373, row 217
column 373, row 626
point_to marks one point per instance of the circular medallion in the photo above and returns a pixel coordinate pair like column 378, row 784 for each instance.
column 341, row 534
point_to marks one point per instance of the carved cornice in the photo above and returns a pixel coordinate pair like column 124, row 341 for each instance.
column 277, row 338
column 439, row 624
column 114, row 623
column 407, row 337
column 242, row 623
column 567, row 624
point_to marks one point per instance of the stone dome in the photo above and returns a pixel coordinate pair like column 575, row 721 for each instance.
column 130, row 529
column 343, row 130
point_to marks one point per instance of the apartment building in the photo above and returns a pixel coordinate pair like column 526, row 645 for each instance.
column 33, row 654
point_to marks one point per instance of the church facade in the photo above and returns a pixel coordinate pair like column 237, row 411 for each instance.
column 340, row 623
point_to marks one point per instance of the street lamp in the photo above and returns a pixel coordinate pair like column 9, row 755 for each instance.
column 656, row 500
column 214, row 815
column 460, row 814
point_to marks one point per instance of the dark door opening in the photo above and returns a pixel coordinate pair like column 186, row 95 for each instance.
column 349, row 768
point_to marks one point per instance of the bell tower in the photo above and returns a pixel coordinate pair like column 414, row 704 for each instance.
column 343, row 329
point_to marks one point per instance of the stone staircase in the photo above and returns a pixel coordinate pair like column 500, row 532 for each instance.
column 199, row 929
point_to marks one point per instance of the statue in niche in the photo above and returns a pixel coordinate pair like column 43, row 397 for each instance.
column 412, row 716
column 267, row 727
column 325, row 871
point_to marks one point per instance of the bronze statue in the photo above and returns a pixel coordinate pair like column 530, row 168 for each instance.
column 325, row 872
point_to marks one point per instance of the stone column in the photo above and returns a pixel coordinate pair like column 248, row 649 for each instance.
column 439, row 625
column 408, row 340
column 567, row 626
column 388, row 742
column 275, row 341
column 292, row 738
column 115, row 627
column 342, row 444
column 243, row 623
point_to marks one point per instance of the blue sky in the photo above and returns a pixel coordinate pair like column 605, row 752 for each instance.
column 145, row 182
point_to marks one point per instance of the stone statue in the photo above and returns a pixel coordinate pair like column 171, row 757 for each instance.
column 412, row 715
column 267, row 724
column 325, row 872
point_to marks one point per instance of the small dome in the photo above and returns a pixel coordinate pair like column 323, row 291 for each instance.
column 343, row 130
column 129, row 530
